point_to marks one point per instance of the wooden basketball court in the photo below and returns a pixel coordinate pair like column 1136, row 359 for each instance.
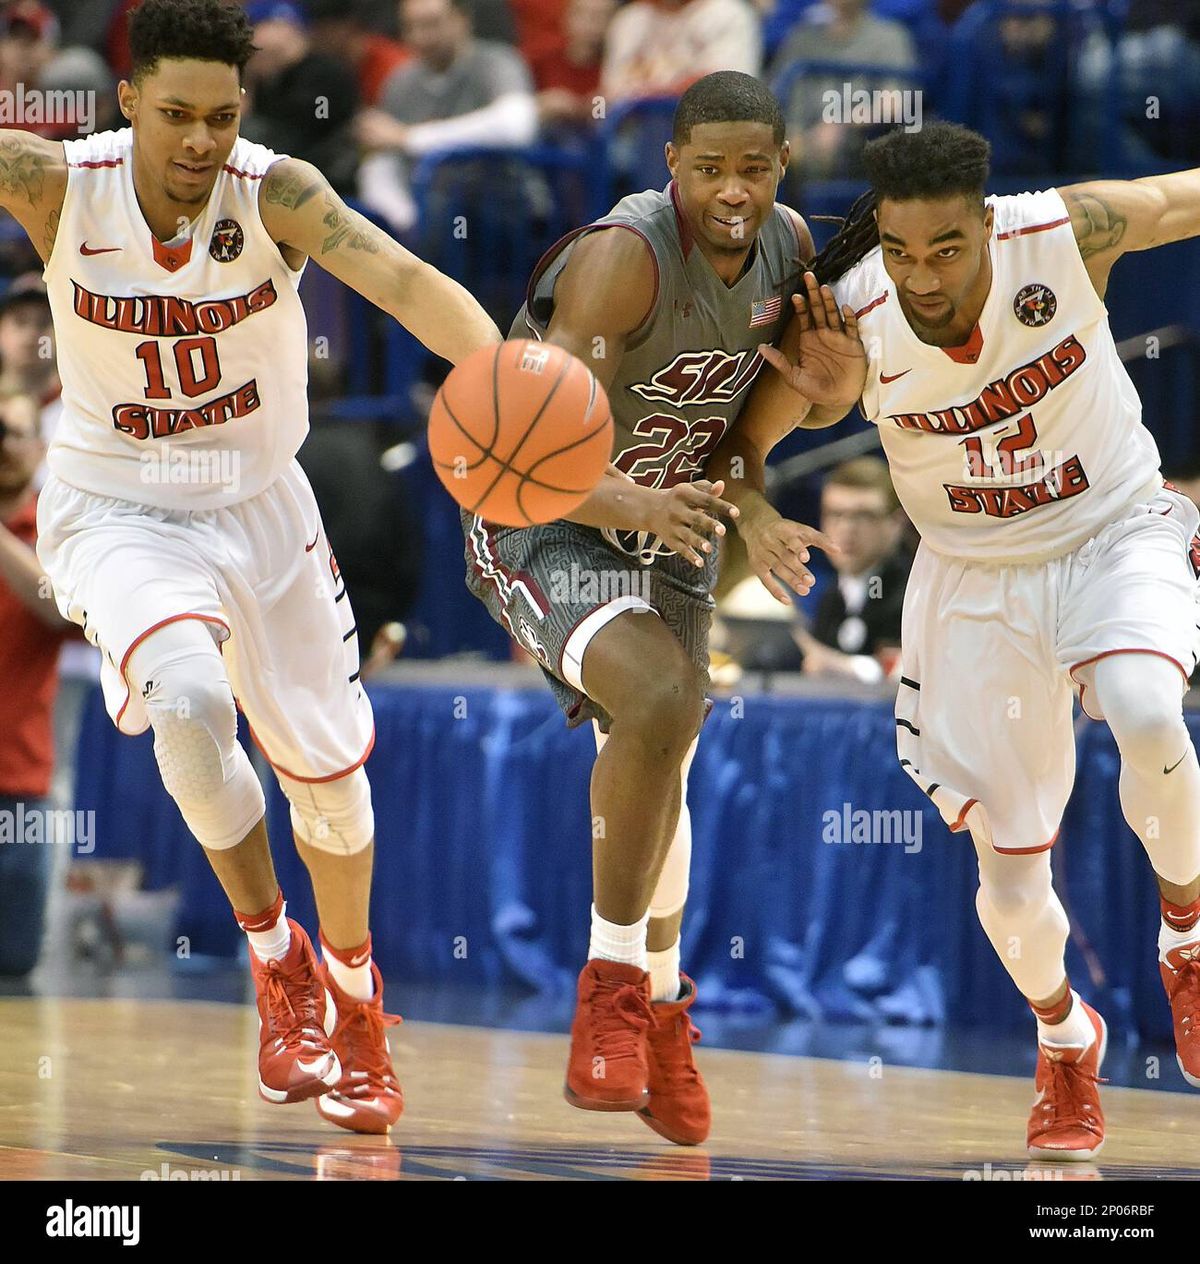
column 113, row 1089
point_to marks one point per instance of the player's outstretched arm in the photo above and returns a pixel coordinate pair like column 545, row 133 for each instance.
column 33, row 183
column 604, row 294
column 1110, row 217
column 301, row 210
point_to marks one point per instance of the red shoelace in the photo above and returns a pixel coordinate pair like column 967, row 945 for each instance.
column 367, row 1066
column 623, row 1013
column 1067, row 1088
column 291, row 1003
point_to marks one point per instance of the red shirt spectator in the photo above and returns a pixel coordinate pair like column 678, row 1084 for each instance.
column 29, row 669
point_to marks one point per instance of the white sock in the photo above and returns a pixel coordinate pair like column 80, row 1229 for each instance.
column 273, row 944
column 626, row 944
column 355, row 981
column 1074, row 1032
column 664, row 973
column 1169, row 938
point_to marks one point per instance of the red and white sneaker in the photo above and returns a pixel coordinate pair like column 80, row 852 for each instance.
column 678, row 1108
column 295, row 1057
column 1181, row 978
column 367, row 1097
column 1066, row 1122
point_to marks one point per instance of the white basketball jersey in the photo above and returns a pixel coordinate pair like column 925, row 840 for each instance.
column 1024, row 442
column 184, row 365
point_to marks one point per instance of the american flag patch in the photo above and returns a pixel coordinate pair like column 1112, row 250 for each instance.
column 765, row 310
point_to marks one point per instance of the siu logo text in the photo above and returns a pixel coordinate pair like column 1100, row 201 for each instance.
column 701, row 377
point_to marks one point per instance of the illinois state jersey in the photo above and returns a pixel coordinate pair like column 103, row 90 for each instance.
column 1024, row 442
column 183, row 365
column 686, row 371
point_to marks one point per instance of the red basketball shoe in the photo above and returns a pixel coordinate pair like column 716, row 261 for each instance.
column 678, row 1108
column 1181, row 977
column 1066, row 1121
column 295, row 1058
column 607, row 1067
column 368, row 1097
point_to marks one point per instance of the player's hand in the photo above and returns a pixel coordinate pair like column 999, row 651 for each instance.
column 686, row 517
column 832, row 362
column 778, row 550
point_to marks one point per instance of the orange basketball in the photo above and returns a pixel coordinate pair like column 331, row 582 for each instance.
column 520, row 432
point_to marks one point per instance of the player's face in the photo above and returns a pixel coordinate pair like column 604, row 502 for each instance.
column 185, row 119
column 727, row 174
column 860, row 524
column 935, row 252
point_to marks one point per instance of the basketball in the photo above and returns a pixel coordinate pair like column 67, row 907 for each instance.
column 520, row 433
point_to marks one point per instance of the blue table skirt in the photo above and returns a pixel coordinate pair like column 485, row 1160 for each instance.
column 482, row 869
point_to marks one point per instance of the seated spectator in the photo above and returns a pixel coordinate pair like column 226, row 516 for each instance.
column 31, row 632
column 840, row 31
column 458, row 91
column 856, row 629
column 340, row 26
column 27, row 356
column 659, row 47
column 302, row 102
column 30, row 57
column 567, row 76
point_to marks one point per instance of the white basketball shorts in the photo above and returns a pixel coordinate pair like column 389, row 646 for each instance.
column 992, row 656
column 263, row 578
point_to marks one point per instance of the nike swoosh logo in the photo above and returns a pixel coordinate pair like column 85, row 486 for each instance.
column 85, row 249
column 361, row 959
column 885, row 378
column 1175, row 764
column 308, row 548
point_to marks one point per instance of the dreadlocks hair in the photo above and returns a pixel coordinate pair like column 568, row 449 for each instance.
column 728, row 96
column 940, row 161
column 204, row 30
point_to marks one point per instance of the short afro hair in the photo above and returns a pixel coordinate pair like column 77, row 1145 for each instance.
column 204, row 30
column 728, row 96
column 939, row 161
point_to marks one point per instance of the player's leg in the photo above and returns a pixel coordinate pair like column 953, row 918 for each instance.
column 180, row 679
column 143, row 589
column 294, row 667
column 984, row 727
column 1160, row 797
column 1131, row 638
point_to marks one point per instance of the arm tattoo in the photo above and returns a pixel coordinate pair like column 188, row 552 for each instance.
column 51, row 232
column 21, row 171
column 1097, row 226
column 343, row 231
column 290, row 189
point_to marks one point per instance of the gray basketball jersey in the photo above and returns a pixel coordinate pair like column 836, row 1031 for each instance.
column 686, row 371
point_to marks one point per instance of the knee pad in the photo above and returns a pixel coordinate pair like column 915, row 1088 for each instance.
column 333, row 816
column 203, row 768
column 1142, row 699
column 671, row 892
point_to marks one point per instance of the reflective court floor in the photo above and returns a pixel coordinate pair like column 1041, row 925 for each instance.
column 121, row 1087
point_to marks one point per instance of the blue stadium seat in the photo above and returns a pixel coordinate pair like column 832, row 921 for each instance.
column 631, row 141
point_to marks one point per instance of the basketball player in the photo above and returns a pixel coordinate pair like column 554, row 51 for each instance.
column 177, row 527
column 666, row 298
column 1053, row 556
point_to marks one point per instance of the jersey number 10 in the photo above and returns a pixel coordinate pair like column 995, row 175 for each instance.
column 193, row 380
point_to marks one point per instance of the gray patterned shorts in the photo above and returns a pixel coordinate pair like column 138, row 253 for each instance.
column 553, row 587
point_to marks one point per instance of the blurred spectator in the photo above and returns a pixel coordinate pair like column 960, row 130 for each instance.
column 840, row 31
column 659, row 47
column 31, row 632
column 458, row 91
column 302, row 102
column 31, row 61
column 540, row 26
column 567, row 76
column 340, row 26
column 856, row 630
column 27, row 356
